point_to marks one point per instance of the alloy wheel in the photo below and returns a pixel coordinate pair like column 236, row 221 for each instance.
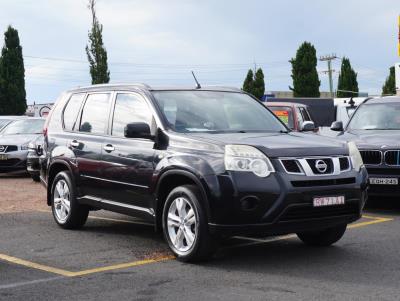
column 62, row 202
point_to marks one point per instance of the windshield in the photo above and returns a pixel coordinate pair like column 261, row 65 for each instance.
column 385, row 116
column 210, row 111
column 3, row 122
column 285, row 114
column 28, row 126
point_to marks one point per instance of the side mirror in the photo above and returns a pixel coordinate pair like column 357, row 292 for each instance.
column 138, row 130
column 308, row 126
column 337, row 126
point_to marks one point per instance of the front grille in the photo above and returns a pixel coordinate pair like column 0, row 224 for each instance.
column 309, row 212
column 291, row 166
column 314, row 163
column 392, row 157
column 384, row 171
column 9, row 162
column 344, row 163
column 372, row 157
column 8, row 148
column 312, row 183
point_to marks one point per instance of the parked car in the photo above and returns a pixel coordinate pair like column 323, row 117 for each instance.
column 198, row 163
column 14, row 141
column 35, row 148
column 296, row 116
column 375, row 128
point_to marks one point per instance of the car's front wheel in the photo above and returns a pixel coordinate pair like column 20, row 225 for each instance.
column 67, row 212
column 325, row 237
column 185, row 225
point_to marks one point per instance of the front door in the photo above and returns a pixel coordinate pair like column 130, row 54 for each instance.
column 127, row 163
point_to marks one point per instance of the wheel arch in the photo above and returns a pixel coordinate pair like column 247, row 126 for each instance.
column 172, row 179
column 55, row 168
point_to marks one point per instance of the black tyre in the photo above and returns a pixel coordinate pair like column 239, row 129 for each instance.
column 185, row 225
column 325, row 237
column 67, row 212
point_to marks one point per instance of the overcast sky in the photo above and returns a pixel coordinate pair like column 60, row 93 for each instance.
column 159, row 42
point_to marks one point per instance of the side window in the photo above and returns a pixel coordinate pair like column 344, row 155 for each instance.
column 71, row 111
column 305, row 114
column 95, row 114
column 129, row 107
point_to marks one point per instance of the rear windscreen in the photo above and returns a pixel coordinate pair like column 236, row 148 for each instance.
column 285, row 114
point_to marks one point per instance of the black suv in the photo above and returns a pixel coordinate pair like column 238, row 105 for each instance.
column 200, row 164
column 375, row 128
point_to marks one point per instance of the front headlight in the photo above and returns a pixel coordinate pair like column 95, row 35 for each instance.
column 247, row 158
column 355, row 156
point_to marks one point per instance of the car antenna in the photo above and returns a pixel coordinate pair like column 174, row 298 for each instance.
column 351, row 102
column 197, row 82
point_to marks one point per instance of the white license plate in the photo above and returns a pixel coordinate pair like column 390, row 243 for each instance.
column 328, row 201
column 384, row 181
column 3, row 157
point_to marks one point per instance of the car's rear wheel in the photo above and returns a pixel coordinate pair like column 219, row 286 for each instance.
column 325, row 237
column 67, row 212
column 185, row 225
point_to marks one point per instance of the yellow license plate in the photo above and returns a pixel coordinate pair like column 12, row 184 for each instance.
column 3, row 157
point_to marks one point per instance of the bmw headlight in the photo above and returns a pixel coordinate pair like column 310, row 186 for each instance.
column 247, row 158
column 355, row 156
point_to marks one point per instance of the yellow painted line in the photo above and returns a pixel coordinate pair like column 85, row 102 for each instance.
column 121, row 266
column 375, row 220
column 34, row 265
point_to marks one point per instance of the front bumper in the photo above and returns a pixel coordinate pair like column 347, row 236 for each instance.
column 32, row 163
column 282, row 204
column 15, row 161
column 384, row 171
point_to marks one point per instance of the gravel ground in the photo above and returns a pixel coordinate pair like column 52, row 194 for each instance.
column 19, row 193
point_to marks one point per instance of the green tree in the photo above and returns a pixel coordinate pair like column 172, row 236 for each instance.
column 347, row 80
column 12, row 76
column 96, row 53
column 389, row 88
column 304, row 72
column 249, row 82
column 259, row 85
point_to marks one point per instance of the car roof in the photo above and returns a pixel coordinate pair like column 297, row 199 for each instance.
column 386, row 99
column 107, row 87
column 10, row 117
column 287, row 104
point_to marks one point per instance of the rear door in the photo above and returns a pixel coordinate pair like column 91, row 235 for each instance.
column 128, row 162
column 87, row 139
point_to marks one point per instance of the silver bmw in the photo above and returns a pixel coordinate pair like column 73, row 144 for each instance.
column 14, row 141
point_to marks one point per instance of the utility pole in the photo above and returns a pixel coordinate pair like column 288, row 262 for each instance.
column 329, row 59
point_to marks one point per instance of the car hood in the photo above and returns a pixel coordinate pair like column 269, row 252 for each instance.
column 279, row 144
column 17, row 139
column 377, row 139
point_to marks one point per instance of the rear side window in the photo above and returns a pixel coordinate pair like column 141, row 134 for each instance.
column 95, row 114
column 129, row 107
column 71, row 111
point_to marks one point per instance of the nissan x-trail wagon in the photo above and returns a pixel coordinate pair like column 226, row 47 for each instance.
column 201, row 164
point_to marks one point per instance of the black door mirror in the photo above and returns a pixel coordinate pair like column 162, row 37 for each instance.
column 308, row 126
column 337, row 126
column 138, row 130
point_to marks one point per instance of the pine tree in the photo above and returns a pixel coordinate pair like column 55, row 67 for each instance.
column 304, row 72
column 389, row 88
column 347, row 80
column 12, row 76
column 96, row 53
column 259, row 85
column 249, row 82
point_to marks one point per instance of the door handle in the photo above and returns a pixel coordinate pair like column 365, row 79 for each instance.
column 74, row 144
column 109, row 148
